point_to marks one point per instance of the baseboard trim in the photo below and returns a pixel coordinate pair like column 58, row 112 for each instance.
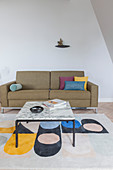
column 105, row 100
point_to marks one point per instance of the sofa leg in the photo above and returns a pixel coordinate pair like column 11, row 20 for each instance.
column 2, row 110
column 96, row 110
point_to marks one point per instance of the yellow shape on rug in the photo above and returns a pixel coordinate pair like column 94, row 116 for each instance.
column 25, row 144
column 7, row 130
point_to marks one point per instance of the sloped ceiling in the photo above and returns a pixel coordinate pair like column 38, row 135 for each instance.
column 104, row 12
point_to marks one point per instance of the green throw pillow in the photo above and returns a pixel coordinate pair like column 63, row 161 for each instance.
column 15, row 87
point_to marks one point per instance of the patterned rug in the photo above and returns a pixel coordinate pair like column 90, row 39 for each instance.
column 48, row 145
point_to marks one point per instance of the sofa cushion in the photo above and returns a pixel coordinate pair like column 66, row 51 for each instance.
column 70, row 95
column 29, row 94
column 73, row 103
column 33, row 80
column 19, row 103
column 55, row 83
column 80, row 103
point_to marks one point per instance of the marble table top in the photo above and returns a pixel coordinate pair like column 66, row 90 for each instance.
column 56, row 114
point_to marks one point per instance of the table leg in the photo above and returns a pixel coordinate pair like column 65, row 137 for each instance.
column 73, row 133
column 16, row 123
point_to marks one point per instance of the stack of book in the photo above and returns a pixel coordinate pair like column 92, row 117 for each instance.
column 55, row 104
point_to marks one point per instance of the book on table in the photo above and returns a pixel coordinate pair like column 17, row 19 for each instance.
column 55, row 104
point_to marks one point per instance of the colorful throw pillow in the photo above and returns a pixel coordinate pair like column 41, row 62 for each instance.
column 74, row 85
column 62, row 81
column 15, row 87
column 82, row 79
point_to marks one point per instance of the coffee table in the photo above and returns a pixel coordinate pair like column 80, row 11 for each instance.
column 60, row 114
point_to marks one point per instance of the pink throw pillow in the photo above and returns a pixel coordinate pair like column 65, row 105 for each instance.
column 63, row 79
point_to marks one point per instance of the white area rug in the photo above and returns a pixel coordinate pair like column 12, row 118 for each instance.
column 92, row 150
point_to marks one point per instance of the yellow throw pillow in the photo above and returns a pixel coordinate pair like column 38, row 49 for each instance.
column 82, row 79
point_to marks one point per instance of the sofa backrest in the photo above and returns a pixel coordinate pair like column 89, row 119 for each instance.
column 55, row 83
column 33, row 80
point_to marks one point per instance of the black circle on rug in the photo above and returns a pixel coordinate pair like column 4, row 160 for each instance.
column 46, row 150
column 92, row 126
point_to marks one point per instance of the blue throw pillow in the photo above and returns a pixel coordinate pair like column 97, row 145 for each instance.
column 15, row 87
column 74, row 85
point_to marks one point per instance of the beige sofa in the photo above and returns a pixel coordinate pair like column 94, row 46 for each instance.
column 44, row 85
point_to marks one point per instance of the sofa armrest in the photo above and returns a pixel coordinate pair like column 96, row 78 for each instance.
column 4, row 89
column 93, row 88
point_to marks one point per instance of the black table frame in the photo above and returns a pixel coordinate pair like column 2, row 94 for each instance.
column 19, row 120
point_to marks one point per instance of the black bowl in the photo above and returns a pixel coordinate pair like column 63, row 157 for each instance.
column 36, row 109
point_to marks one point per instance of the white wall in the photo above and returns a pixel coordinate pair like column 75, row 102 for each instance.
column 104, row 12
column 30, row 29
